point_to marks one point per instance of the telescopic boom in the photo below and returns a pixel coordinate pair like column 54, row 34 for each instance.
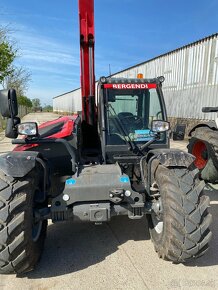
column 87, row 41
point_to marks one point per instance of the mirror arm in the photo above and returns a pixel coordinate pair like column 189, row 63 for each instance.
column 12, row 115
column 156, row 137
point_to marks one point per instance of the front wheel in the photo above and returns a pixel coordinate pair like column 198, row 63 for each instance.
column 21, row 234
column 181, row 230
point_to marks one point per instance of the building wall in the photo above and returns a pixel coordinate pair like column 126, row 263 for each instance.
column 191, row 80
column 68, row 103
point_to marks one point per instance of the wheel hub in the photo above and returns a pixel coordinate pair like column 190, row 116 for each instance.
column 157, row 218
column 199, row 150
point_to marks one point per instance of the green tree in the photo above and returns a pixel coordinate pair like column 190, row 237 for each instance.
column 47, row 108
column 36, row 104
column 7, row 55
column 11, row 77
column 24, row 101
column 18, row 80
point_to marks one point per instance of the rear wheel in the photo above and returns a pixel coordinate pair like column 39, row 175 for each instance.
column 181, row 230
column 21, row 234
column 204, row 146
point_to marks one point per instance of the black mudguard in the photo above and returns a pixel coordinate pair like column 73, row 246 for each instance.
column 18, row 164
column 171, row 157
column 210, row 124
column 166, row 157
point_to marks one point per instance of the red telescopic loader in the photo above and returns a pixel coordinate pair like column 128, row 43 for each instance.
column 113, row 160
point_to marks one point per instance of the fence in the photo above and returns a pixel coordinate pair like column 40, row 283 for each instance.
column 22, row 111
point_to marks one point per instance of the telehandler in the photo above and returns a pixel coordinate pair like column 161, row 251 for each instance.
column 113, row 160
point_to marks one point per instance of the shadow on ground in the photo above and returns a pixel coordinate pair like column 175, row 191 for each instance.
column 72, row 247
column 211, row 257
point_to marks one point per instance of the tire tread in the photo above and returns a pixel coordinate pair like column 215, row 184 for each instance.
column 186, row 216
column 16, row 255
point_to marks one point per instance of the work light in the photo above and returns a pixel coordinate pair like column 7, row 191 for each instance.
column 29, row 129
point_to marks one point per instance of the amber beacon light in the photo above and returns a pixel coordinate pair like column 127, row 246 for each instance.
column 139, row 76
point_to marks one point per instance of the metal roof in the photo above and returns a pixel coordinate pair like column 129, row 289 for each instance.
column 66, row 93
column 171, row 52
column 159, row 56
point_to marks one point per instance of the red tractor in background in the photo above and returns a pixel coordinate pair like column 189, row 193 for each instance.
column 114, row 160
column 203, row 144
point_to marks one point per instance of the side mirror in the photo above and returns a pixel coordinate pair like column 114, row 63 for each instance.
column 8, row 103
column 160, row 126
column 11, row 127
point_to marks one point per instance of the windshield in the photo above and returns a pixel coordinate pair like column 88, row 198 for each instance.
column 130, row 113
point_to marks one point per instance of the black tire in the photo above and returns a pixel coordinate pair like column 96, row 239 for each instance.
column 204, row 146
column 21, row 240
column 185, row 219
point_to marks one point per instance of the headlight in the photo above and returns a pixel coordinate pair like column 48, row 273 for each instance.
column 160, row 126
column 29, row 129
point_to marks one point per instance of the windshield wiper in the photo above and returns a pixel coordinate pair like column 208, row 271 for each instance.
column 132, row 144
column 134, row 147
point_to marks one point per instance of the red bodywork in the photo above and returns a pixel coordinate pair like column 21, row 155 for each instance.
column 87, row 41
column 67, row 127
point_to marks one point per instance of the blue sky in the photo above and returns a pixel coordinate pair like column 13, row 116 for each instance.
column 127, row 32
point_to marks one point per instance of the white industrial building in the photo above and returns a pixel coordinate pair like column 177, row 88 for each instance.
column 191, row 80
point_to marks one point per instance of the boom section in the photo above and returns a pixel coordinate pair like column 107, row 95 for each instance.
column 87, row 41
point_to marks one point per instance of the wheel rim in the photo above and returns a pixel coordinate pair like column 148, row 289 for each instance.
column 157, row 215
column 199, row 150
column 157, row 223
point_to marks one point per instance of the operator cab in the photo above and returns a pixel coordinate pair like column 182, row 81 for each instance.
column 127, row 108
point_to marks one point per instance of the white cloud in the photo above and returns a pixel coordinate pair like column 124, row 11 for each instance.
column 54, row 65
column 36, row 47
column 49, row 56
column 54, row 62
column 53, row 71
